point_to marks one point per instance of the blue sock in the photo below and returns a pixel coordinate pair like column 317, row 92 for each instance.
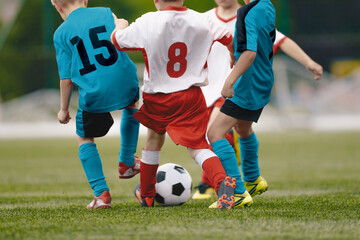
column 129, row 131
column 226, row 153
column 249, row 158
column 91, row 163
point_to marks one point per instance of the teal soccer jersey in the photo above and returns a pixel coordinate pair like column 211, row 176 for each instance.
column 106, row 78
column 255, row 31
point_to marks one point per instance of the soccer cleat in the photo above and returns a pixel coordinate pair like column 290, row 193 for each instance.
column 226, row 199
column 243, row 200
column 203, row 191
column 256, row 188
column 128, row 172
column 102, row 201
column 144, row 202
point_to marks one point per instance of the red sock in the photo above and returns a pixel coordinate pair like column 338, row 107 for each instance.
column 204, row 179
column 230, row 137
column 148, row 179
column 214, row 171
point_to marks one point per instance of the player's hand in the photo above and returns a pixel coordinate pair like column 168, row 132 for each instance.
column 227, row 91
column 64, row 116
column 120, row 23
column 316, row 69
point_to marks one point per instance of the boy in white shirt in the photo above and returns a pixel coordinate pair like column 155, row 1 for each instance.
column 175, row 42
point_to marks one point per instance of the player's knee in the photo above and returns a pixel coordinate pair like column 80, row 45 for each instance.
column 213, row 136
column 243, row 131
column 82, row 140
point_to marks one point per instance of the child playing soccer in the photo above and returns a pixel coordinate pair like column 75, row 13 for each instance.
column 248, row 88
column 219, row 69
column 175, row 42
column 106, row 80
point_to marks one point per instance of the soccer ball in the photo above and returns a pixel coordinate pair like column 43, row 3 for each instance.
column 173, row 185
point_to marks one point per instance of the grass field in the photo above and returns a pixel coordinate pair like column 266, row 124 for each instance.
column 314, row 193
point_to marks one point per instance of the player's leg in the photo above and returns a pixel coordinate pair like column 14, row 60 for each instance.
column 205, row 190
column 223, row 149
column 91, row 162
column 231, row 135
column 149, row 164
column 88, row 126
column 249, row 146
column 226, row 153
column 224, row 185
column 129, row 165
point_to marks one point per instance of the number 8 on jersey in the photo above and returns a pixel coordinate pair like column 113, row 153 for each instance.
column 177, row 64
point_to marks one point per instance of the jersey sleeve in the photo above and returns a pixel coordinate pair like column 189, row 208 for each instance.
column 251, row 33
column 279, row 39
column 133, row 37
column 219, row 33
column 63, row 56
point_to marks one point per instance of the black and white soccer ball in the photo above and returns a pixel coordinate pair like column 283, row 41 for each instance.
column 173, row 185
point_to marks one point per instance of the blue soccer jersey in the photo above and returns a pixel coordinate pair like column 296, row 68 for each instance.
column 255, row 31
column 106, row 78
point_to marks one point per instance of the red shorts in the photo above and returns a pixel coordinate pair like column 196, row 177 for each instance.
column 181, row 114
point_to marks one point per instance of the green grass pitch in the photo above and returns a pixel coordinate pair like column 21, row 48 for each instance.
column 314, row 193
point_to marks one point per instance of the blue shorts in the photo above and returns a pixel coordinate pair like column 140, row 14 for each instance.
column 231, row 109
column 91, row 125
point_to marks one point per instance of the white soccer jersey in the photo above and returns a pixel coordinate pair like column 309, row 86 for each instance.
column 176, row 43
column 278, row 41
column 218, row 61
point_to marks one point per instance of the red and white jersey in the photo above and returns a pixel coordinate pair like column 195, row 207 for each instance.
column 175, row 43
column 218, row 61
column 279, row 39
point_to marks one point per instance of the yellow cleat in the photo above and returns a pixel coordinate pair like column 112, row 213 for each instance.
column 243, row 200
column 204, row 191
column 256, row 188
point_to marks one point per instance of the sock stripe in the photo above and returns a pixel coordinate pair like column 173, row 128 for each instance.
column 150, row 157
column 203, row 155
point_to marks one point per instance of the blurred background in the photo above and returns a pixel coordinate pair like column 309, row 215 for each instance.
column 327, row 30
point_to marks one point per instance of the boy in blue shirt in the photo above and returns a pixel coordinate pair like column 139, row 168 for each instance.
column 247, row 89
column 106, row 80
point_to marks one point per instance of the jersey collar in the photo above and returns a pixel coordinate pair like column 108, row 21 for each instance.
column 173, row 8
column 222, row 19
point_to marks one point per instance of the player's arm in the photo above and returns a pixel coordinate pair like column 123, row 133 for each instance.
column 244, row 62
column 120, row 24
column 66, row 88
column 131, row 37
column 293, row 50
column 230, row 47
